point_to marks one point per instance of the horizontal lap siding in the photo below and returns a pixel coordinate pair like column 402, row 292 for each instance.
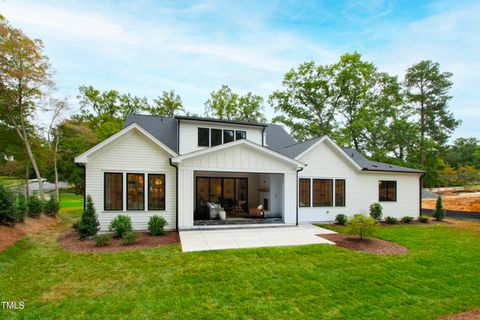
column 361, row 187
column 136, row 154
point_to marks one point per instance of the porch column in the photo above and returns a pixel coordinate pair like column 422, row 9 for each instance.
column 185, row 198
column 289, row 199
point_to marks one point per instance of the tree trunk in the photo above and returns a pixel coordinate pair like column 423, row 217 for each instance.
column 55, row 169
column 34, row 164
column 27, row 181
column 422, row 126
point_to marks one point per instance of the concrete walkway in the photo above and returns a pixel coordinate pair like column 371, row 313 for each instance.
column 203, row 240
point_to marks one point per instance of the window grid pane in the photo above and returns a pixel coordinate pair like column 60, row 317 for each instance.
column 322, row 192
column 240, row 135
column 387, row 191
column 156, row 192
column 228, row 136
column 135, row 191
column 113, row 191
column 304, row 196
column 203, row 137
column 340, row 192
column 216, row 137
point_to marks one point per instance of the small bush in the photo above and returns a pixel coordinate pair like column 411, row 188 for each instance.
column 407, row 219
column 362, row 226
column 121, row 225
column 341, row 219
column 88, row 225
column 423, row 219
column 376, row 211
column 22, row 209
column 130, row 238
column 391, row 220
column 35, row 206
column 439, row 212
column 51, row 207
column 102, row 240
column 156, row 225
column 76, row 225
column 8, row 207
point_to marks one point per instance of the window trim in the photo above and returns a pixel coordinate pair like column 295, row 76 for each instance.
column 396, row 190
column 344, row 192
column 164, row 191
column 105, row 190
column 309, row 193
column 331, row 196
column 198, row 137
column 126, row 190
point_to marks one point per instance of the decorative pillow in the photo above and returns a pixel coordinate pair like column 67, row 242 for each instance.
column 260, row 207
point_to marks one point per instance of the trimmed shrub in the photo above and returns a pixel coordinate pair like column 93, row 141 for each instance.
column 439, row 212
column 362, row 226
column 35, row 206
column 121, row 225
column 423, row 219
column 129, row 238
column 8, row 206
column 341, row 219
column 391, row 220
column 22, row 208
column 51, row 207
column 88, row 225
column 376, row 211
column 407, row 219
column 156, row 225
column 101, row 240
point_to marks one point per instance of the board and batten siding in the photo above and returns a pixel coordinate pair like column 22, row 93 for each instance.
column 131, row 153
column 361, row 187
column 188, row 140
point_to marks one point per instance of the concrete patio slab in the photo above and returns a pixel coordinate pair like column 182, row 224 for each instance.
column 203, row 240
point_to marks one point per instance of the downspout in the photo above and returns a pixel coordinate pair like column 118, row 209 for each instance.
column 176, row 193
column 296, row 196
column 84, row 186
column 263, row 136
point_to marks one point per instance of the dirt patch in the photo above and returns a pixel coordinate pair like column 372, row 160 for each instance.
column 469, row 202
column 469, row 315
column 70, row 242
column 370, row 245
column 30, row 226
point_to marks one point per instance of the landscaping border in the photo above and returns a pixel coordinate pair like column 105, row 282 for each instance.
column 463, row 215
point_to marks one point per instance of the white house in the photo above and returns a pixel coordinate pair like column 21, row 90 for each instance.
column 198, row 171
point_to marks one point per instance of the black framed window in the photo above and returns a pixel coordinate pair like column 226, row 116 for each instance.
column 216, row 137
column 322, row 192
column 304, row 193
column 228, row 136
column 387, row 190
column 135, row 191
column 203, row 137
column 156, row 192
column 339, row 192
column 240, row 135
column 113, row 191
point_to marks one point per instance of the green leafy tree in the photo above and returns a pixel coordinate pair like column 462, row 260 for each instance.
column 427, row 96
column 168, row 104
column 307, row 104
column 464, row 151
column 24, row 76
column 362, row 226
column 228, row 105
column 89, row 224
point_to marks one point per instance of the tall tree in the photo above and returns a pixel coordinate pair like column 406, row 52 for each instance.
column 427, row 95
column 24, row 75
column 167, row 105
column 308, row 101
column 228, row 105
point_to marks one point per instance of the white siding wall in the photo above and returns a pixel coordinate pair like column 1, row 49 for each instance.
column 132, row 153
column 189, row 133
column 361, row 187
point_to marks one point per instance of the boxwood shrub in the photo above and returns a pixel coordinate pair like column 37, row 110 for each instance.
column 156, row 225
column 121, row 225
column 35, row 206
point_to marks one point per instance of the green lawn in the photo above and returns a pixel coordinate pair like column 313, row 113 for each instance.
column 440, row 275
column 10, row 181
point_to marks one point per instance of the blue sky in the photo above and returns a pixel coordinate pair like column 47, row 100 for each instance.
column 145, row 46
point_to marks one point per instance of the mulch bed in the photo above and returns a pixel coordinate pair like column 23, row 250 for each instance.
column 69, row 241
column 370, row 245
column 469, row 315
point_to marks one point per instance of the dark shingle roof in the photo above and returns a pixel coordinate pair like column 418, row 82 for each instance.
column 162, row 128
column 277, row 139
